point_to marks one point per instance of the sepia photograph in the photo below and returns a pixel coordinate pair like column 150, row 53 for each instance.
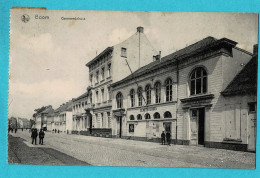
column 132, row 88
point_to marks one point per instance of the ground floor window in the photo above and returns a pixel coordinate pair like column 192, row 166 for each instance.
column 131, row 127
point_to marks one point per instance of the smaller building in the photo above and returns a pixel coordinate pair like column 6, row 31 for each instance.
column 62, row 118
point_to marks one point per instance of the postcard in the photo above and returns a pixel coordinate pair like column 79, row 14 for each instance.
column 132, row 88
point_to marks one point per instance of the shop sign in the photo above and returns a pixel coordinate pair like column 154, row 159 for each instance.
column 148, row 109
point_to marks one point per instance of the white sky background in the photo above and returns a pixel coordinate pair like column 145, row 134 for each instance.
column 65, row 46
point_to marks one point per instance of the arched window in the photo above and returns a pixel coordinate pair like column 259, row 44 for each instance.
column 132, row 97
column 157, row 88
column 148, row 94
column 168, row 87
column 167, row 114
column 140, row 96
column 156, row 115
column 132, row 117
column 147, row 116
column 119, row 100
column 198, row 81
column 139, row 117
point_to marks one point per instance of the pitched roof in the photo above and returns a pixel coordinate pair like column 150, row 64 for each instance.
column 64, row 107
column 81, row 96
column 245, row 82
column 189, row 50
column 47, row 110
column 100, row 54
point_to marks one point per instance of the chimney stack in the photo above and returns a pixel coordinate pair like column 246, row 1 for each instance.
column 255, row 49
column 140, row 29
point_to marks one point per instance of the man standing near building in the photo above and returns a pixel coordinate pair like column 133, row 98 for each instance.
column 163, row 138
column 34, row 135
column 168, row 137
column 41, row 136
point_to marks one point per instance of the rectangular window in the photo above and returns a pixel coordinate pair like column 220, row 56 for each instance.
column 97, row 73
column 91, row 79
column 123, row 52
column 102, row 95
column 131, row 127
column 109, row 93
column 108, row 119
column 103, row 73
column 108, row 70
column 97, row 97
column 101, row 121
column 252, row 107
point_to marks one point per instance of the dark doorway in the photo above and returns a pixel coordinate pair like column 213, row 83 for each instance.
column 201, row 129
column 90, row 123
column 120, row 126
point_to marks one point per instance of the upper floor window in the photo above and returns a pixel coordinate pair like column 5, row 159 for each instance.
column 103, row 73
column 148, row 94
column 90, row 98
column 147, row 116
column 156, row 115
column 140, row 96
column 97, row 97
column 97, row 75
column 198, row 81
column 132, row 117
column 91, row 79
column 139, row 117
column 123, row 52
column 167, row 114
column 119, row 100
column 168, row 87
column 109, row 70
column 157, row 88
column 132, row 97
column 102, row 95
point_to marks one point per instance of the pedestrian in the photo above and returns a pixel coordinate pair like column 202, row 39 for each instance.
column 41, row 136
column 168, row 138
column 34, row 136
column 163, row 138
column 15, row 130
column 22, row 129
column 55, row 130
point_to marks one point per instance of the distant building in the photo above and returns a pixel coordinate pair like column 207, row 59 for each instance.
column 41, row 117
column 62, row 118
column 92, row 111
column 188, row 94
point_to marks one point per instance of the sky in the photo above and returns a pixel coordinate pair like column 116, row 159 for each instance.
column 48, row 56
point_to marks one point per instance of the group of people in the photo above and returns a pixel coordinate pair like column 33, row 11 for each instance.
column 167, row 136
column 34, row 136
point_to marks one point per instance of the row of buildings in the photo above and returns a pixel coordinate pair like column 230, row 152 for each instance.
column 18, row 123
column 204, row 94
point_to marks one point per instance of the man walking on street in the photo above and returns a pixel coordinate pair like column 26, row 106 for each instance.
column 41, row 136
column 163, row 138
column 34, row 136
column 168, row 138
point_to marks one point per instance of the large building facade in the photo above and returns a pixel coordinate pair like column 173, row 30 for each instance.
column 182, row 94
column 92, row 110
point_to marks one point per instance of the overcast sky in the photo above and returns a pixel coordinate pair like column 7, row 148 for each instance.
column 48, row 57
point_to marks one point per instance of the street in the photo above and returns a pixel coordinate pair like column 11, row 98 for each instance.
column 63, row 149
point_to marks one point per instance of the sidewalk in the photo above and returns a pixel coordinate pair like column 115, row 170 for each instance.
column 22, row 152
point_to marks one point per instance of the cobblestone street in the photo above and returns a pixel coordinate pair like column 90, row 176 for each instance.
column 98, row 151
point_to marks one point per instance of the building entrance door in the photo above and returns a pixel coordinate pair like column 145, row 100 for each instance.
column 197, row 126
column 90, row 123
column 119, row 126
column 252, row 132
column 167, row 127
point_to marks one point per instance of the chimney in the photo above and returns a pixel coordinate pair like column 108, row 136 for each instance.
column 255, row 49
column 140, row 29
